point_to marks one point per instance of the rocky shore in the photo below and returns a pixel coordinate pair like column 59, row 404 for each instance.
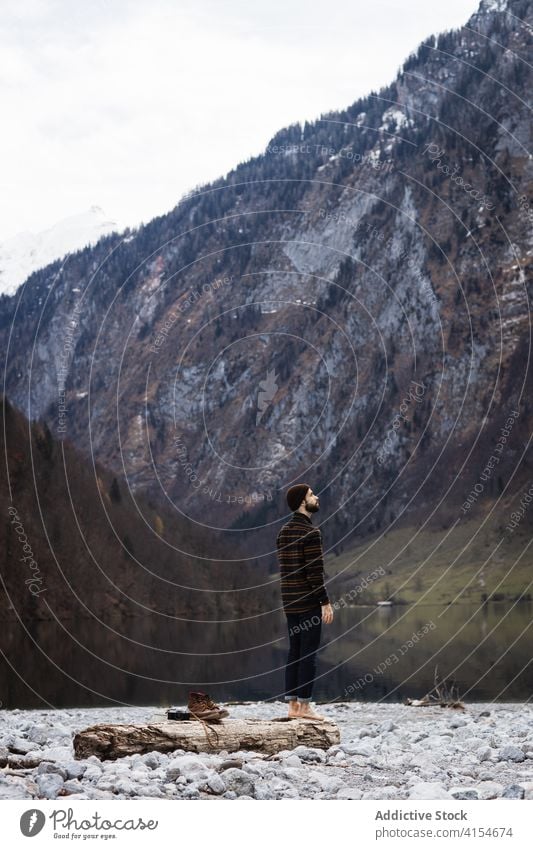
column 387, row 751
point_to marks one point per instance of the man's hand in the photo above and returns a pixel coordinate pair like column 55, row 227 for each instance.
column 327, row 614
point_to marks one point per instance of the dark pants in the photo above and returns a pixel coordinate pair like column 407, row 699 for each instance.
column 304, row 640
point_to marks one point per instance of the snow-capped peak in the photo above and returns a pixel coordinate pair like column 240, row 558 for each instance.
column 26, row 252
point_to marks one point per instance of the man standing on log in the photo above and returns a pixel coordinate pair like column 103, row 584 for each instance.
column 304, row 597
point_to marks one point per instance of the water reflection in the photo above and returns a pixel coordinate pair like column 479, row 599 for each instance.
column 486, row 650
column 365, row 656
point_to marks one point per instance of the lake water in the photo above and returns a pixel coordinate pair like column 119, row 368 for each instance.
column 365, row 655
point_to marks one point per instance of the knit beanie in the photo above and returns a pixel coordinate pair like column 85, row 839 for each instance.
column 296, row 494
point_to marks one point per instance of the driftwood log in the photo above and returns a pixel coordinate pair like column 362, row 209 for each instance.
column 109, row 742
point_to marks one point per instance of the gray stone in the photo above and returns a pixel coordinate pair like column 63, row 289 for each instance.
column 239, row 781
column 125, row 786
column 382, row 793
column 484, row 753
column 511, row 753
column 107, row 783
column 468, row 773
column 463, row 793
column 429, row 790
column 73, row 786
column 170, row 789
column 473, row 743
column 310, row 755
column 138, row 764
column 370, row 731
column 216, row 784
column 363, row 749
column 422, row 735
column 8, row 740
column 189, row 766
column 243, row 755
column 390, row 791
column 488, row 789
column 90, row 792
column 296, row 793
column 13, row 790
column 292, row 760
column 293, row 774
column 468, row 756
column 92, row 772
column 138, row 775
column 329, row 784
column 20, row 746
column 279, row 788
column 528, row 789
column 39, row 733
column 387, row 726
column 263, row 791
column 49, row 785
column 59, row 734
column 75, row 769
column 257, row 768
column 426, row 761
column 46, row 767
column 349, row 793
column 437, row 741
column 60, row 754
column 513, row 791
column 152, row 759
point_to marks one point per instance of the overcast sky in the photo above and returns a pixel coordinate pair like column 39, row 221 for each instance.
column 128, row 104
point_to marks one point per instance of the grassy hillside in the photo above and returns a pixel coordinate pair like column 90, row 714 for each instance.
column 478, row 559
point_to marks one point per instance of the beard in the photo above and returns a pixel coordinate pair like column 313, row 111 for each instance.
column 312, row 508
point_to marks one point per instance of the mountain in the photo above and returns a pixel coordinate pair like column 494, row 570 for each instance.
column 79, row 545
column 26, row 252
column 350, row 308
column 106, row 598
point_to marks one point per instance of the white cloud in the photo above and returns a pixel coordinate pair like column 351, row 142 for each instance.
column 130, row 104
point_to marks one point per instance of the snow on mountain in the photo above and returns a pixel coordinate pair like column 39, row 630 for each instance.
column 26, row 252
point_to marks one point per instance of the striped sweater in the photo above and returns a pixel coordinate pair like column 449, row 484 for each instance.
column 301, row 565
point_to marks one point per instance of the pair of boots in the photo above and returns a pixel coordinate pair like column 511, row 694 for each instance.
column 200, row 706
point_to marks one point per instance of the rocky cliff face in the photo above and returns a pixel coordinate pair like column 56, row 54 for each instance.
column 351, row 308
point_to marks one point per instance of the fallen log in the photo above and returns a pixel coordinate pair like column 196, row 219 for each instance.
column 109, row 742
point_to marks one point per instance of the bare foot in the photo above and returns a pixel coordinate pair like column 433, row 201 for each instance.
column 306, row 712
column 294, row 711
